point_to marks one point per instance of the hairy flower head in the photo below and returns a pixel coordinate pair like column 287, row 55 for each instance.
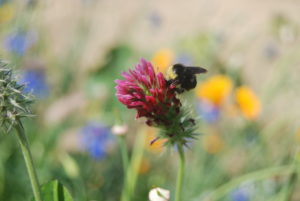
column 148, row 93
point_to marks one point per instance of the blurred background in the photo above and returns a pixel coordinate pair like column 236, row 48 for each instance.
column 69, row 52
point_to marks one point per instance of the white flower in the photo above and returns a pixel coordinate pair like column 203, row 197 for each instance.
column 159, row 194
column 119, row 129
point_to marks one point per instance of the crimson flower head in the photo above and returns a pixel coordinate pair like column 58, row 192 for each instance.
column 156, row 100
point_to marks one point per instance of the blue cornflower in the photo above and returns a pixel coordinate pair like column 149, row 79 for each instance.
column 19, row 42
column 242, row 193
column 96, row 139
column 209, row 112
column 35, row 82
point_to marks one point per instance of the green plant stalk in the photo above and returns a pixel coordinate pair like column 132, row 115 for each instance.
column 131, row 175
column 253, row 176
column 124, row 153
column 29, row 162
column 290, row 186
column 180, row 174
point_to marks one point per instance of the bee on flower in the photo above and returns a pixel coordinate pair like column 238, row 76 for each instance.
column 155, row 99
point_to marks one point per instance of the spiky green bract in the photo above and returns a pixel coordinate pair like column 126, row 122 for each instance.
column 14, row 104
column 181, row 130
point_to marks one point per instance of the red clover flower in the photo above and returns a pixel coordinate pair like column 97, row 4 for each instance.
column 156, row 100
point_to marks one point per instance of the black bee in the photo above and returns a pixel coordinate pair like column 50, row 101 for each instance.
column 183, row 77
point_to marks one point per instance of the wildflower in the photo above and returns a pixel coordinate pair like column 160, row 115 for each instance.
column 14, row 105
column 7, row 12
column 159, row 194
column 148, row 93
column 35, row 82
column 96, row 139
column 162, row 59
column 247, row 102
column 19, row 42
column 215, row 90
column 239, row 195
column 119, row 129
column 243, row 192
column 154, row 99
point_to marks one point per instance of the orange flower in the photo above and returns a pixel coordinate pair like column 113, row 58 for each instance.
column 215, row 89
column 247, row 102
column 162, row 59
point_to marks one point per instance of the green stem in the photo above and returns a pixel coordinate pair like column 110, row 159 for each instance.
column 180, row 174
column 29, row 162
column 124, row 153
column 290, row 186
column 253, row 176
column 131, row 175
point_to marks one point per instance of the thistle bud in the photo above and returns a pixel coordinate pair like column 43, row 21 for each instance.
column 14, row 104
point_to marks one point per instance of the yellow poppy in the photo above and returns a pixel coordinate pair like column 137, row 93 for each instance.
column 162, row 59
column 247, row 102
column 7, row 12
column 215, row 89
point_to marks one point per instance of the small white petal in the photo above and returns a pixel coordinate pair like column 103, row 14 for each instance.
column 119, row 129
column 159, row 194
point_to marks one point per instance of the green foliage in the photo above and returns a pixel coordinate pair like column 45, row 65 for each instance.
column 55, row 191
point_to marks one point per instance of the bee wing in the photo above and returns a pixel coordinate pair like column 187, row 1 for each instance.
column 196, row 69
